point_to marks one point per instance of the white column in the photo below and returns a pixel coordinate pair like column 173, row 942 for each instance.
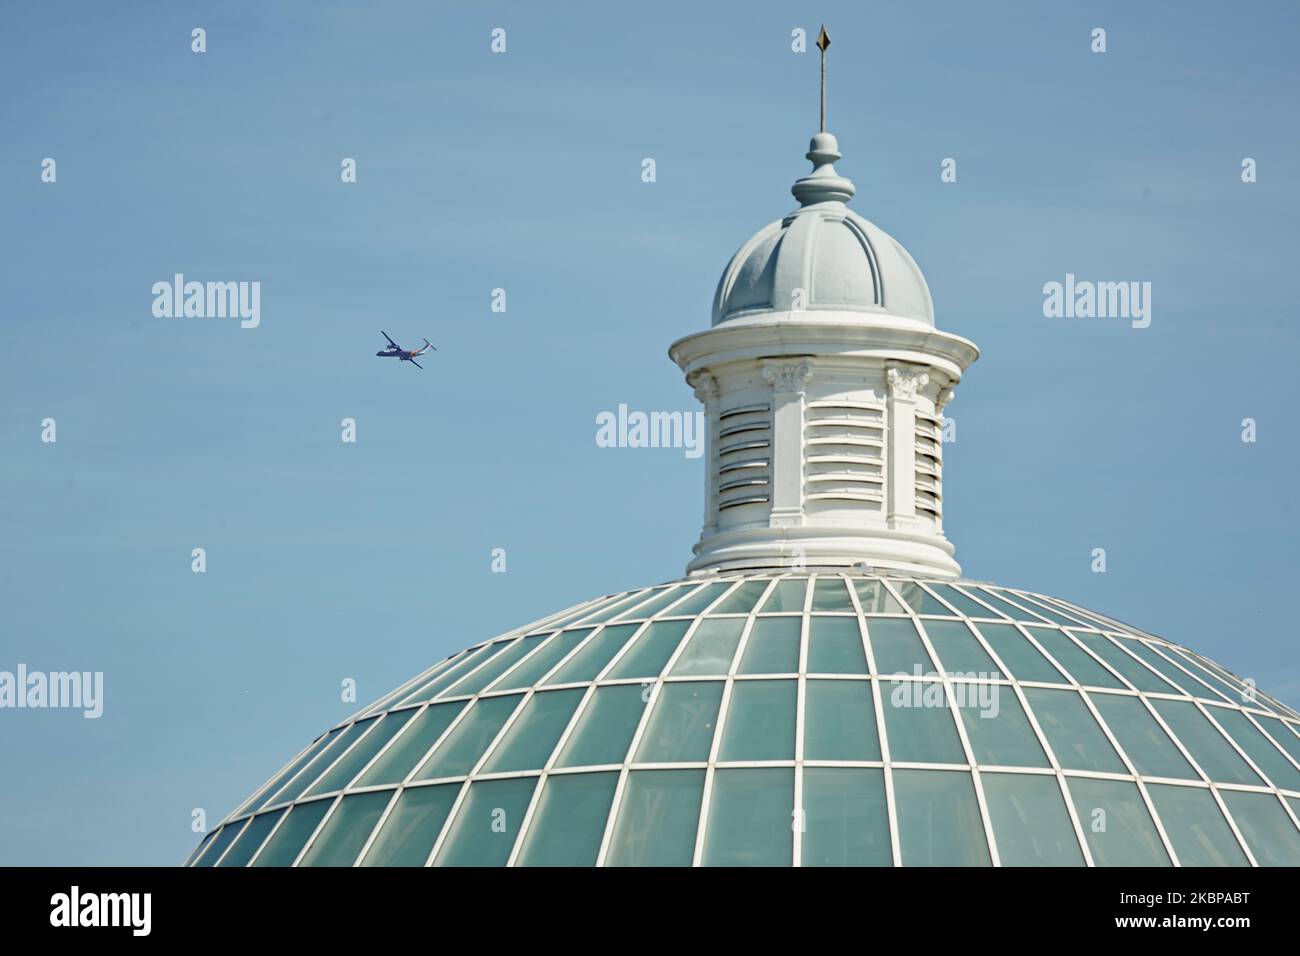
column 900, row 443
column 788, row 382
column 706, row 392
column 944, row 397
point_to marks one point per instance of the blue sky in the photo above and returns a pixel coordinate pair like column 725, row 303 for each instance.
column 522, row 171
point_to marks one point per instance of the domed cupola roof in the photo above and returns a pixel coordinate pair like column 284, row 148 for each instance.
column 822, row 257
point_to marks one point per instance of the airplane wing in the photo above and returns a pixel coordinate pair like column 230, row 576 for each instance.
column 415, row 363
column 390, row 339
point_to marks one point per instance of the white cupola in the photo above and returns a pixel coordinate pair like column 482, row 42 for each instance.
column 823, row 380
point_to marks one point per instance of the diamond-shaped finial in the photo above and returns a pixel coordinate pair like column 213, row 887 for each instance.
column 823, row 39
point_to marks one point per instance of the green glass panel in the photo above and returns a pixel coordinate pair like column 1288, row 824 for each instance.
column 939, row 819
column 958, row 649
column 1076, row 739
column 601, row 608
column 700, row 600
column 876, row 599
column 605, row 729
column 760, row 721
column 347, row 830
column 534, row 669
column 225, row 837
column 835, row 646
column 1229, row 689
column 711, row 648
column 788, row 595
column 250, row 841
column 294, row 788
column 920, row 600
column 646, row 658
column 287, row 842
column 1140, row 676
column 655, row 604
column 831, row 594
column 531, row 739
column 773, row 646
column 840, row 721
column 919, row 724
column 1095, row 620
column 1069, row 655
column 488, row 822
column 362, row 752
column 1042, row 609
column 896, row 646
column 1267, row 701
column 498, row 665
column 751, row 816
column 570, row 820
column 1030, row 822
column 846, row 819
column 1145, row 742
column 400, row 759
column 657, row 819
column 203, row 845
column 1205, row 743
column 999, row 732
column 682, row 724
column 1278, row 730
column 1195, row 826
column 1238, row 693
column 1116, row 823
column 1272, row 837
column 963, row 602
column 1019, row 655
column 393, row 699
column 608, row 610
column 467, row 741
column 289, row 772
column 591, row 659
column 1182, row 681
column 1258, row 747
column 743, row 599
column 448, row 677
column 413, row 827
column 1006, row 607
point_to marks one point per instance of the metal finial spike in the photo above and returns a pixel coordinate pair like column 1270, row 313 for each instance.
column 823, row 41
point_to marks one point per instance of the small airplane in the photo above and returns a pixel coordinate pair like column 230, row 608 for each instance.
column 406, row 355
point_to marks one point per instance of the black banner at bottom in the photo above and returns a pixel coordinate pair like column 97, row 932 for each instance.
column 445, row 906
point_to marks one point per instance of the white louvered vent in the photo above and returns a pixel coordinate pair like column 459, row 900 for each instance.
column 929, row 466
column 844, row 463
column 745, row 456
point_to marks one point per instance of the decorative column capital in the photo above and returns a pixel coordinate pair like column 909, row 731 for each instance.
column 945, row 396
column 705, row 385
column 905, row 381
column 787, row 377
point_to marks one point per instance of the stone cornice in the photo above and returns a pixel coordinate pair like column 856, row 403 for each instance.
column 826, row 334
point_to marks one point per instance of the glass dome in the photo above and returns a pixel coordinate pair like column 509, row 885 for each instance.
column 803, row 719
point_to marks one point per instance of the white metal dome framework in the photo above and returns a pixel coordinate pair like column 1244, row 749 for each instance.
column 824, row 688
column 805, row 719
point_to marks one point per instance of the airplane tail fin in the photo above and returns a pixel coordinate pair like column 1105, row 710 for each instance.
column 430, row 345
